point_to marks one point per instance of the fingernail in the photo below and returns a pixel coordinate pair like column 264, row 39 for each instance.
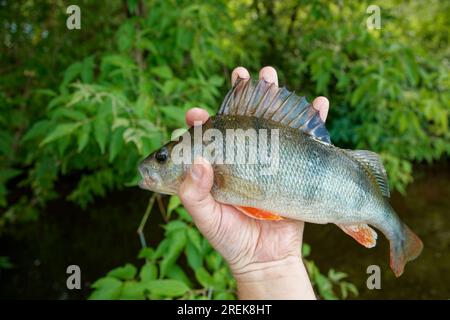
column 267, row 77
column 196, row 171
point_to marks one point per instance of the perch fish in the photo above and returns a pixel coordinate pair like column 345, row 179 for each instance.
column 314, row 180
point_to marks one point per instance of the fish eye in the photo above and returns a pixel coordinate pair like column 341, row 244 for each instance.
column 162, row 155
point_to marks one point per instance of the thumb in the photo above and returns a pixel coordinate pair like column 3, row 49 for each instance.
column 195, row 194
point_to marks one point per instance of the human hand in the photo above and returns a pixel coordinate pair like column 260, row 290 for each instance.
column 264, row 256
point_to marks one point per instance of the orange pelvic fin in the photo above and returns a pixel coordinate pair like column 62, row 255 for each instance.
column 362, row 233
column 259, row 214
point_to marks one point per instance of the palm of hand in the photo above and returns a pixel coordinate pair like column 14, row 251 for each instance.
column 243, row 240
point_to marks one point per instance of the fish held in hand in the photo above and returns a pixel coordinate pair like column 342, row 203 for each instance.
column 296, row 174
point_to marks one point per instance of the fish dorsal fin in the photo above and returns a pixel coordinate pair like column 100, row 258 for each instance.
column 373, row 163
column 262, row 99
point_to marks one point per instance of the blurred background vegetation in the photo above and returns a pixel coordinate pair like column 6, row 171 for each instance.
column 80, row 108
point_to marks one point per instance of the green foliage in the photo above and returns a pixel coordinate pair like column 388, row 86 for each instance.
column 164, row 273
column 326, row 285
column 5, row 263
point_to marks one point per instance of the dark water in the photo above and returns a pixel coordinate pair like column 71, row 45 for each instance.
column 104, row 236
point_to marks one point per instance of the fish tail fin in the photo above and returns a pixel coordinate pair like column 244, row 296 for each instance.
column 405, row 248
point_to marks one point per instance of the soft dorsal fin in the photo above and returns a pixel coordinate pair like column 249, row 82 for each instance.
column 373, row 163
column 262, row 99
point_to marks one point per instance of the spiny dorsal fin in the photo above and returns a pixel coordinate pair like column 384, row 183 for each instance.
column 262, row 99
column 373, row 163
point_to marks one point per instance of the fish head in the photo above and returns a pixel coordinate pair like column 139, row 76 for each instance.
column 160, row 173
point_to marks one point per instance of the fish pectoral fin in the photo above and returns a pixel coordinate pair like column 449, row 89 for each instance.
column 259, row 214
column 362, row 233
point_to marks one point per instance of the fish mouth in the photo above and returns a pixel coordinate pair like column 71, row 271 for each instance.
column 147, row 183
column 149, row 180
column 152, row 181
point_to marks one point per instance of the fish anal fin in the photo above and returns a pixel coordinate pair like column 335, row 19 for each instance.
column 259, row 213
column 362, row 233
column 372, row 162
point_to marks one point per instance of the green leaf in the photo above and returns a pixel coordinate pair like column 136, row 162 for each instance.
column 161, row 249
column 220, row 278
column 167, row 288
column 87, row 71
column 64, row 113
column 336, row 276
column 58, row 101
column 176, row 273
column 70, row 114
column 195, row 238
column 148, row 272
column 132, row 6
column 37, row 130
column 214, row 260
column 344, row 291
column 83, row 136
column 306, row 249
column 216, row 81
column 194, row 258
column 162, row 71
column 175, row 226
column 7, row 174
column 134, row 181
column 183, row 214
column 132, row 290
column 177, row 241
column 60, row 131
column 173, row 115
column 126, row 36
column 325, row 287
column 45, row 92
column 101, row 132
column 352, row 288
column 224, row 296
column 204, row 278
column 106, row 289
column 120, row 122
column 116, row 143
column 71, row 73
column 174, row 202
column 147, row 253
column 126, row 272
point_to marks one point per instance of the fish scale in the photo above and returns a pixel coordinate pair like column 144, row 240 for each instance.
column 314, row 183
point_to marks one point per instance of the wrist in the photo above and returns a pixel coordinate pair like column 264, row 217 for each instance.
column 281, row 279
